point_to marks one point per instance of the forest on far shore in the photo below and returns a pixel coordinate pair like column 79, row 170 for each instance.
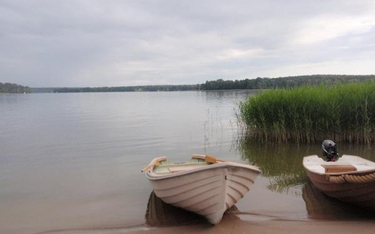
column 283, row 82
column 220, row 84
column 14, row 88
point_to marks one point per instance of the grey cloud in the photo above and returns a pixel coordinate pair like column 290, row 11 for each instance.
column 100, row 43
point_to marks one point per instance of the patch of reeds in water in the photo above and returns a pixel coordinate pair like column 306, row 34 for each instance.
column 342, row 112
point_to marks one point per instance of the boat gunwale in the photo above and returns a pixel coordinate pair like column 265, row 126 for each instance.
column 358, row 172
column 153, row 176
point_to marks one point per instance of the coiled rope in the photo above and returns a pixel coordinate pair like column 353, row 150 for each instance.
column 355, row 179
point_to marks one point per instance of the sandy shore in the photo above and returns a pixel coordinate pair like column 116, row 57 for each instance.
column 232, row 224
column 270, row 227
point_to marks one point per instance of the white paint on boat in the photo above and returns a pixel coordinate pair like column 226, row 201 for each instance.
column 200, row 187
column 316, row 164
column 350, row 179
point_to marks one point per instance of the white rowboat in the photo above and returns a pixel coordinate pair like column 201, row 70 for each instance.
column 204, row 185
column 350, row 179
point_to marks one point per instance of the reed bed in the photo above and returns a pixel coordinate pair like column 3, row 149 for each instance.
column 308, row 114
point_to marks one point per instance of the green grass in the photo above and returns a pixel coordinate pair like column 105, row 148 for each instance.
column 343, row 113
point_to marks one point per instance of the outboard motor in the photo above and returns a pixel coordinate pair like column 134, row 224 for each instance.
column 330, row 150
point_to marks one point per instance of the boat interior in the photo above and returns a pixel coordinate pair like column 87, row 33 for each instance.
column 345, row 164
column 167, row 167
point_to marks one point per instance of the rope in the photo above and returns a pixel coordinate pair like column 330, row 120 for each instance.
column 336, row 179
column 354, row 179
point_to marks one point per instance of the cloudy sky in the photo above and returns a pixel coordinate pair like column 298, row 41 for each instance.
column 45, row 43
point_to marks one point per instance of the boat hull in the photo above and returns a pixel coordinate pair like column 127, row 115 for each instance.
column 321, row 207
column 208, row 191
column 360, row 193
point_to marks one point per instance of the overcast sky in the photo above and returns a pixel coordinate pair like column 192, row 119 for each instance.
column 45, row 43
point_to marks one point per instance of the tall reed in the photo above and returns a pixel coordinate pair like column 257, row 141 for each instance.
column 342, row 112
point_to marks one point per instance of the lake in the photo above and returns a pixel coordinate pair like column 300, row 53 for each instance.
column 71, row 162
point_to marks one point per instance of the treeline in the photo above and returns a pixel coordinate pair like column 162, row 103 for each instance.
column 42, row 90
column 129, row 88
column 283, row 82
column 14, row 88
column 258, row 83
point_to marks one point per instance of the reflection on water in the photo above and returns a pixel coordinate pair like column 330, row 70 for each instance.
column 161, row 214
column 319, row 206
column 71, row 161
column 282, row 165
column 68, row 161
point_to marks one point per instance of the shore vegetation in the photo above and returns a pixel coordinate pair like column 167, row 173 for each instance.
column 308, row 114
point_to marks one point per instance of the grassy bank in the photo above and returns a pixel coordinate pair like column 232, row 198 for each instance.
column 343, row 113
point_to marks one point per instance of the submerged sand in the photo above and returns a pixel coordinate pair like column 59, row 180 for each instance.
column 236, row 226
column 269, row 227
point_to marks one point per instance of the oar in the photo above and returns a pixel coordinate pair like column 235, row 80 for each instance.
column 154, row 162
column 207, row 158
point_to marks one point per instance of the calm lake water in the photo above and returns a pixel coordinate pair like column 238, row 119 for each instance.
column 70, row 163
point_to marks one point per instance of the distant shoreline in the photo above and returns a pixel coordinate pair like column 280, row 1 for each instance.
column 219, row 84
column 222, row 90
column 14, row 88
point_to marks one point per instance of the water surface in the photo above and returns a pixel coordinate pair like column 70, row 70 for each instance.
column 71, row 162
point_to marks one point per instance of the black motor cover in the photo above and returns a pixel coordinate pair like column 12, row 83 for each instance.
column 330, row 150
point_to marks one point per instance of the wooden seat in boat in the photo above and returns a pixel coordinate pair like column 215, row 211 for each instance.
column 339, row 168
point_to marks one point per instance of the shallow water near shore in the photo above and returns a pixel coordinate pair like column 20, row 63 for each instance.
column 70, row 163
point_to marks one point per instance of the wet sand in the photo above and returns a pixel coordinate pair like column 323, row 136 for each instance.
column 324, row 216
column 268, row 227
column 232, row 224
column 176, row 220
